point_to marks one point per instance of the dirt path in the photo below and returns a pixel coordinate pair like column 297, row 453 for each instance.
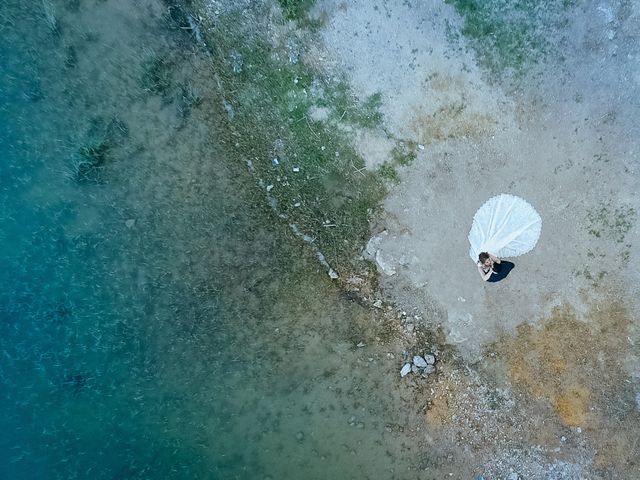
column 564, row 136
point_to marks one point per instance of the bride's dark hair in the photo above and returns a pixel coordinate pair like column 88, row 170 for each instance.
column 483, row 256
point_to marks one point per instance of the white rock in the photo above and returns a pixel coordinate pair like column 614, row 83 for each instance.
column 418, row 361
column 385, row 265
column 406, row 369
column 430, row 359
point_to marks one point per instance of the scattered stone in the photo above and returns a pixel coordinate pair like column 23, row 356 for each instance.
column 430, row 359
column 360, row 425
column 360, row 345
column 406, row 369
column 229, row 109
column 428, row 370
column 130, row 223
column 579, row 430
column 385, row 265
column 420, row 362
column 378, row 304
column 333, row 274
column 236, row 61
column 296, row 169
column 275, row 162
column 352, row 420
column 269, row 188
column 414, row 369
column 420, row 146
column 410, row 327
column 513, row 476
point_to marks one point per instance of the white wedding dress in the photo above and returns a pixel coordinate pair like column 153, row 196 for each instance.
column 505, row 226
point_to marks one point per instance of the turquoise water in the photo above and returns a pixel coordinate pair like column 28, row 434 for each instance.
column 156, row 322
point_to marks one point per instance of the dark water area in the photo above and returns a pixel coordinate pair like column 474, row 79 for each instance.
column 154, row 322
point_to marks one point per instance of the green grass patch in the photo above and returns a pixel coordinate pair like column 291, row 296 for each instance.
column 613, row 222
column 388, row 172
column 510, row 35
column 295, row 9
column 404, row 153
column 348, row 109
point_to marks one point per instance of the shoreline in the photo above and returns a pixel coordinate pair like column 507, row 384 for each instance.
column 491, row 107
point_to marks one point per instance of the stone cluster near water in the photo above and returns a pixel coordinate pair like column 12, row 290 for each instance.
column 420, row 365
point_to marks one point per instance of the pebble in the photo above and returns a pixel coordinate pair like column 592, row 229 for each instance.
column 430, row 359
column 406, row 369
column 418, row 361
column 429, row 369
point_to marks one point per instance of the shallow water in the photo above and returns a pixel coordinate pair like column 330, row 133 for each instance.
column 156, row 322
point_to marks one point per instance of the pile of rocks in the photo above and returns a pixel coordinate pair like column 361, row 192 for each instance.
column 422, row 365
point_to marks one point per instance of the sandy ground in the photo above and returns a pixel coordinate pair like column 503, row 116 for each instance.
column 558, row 338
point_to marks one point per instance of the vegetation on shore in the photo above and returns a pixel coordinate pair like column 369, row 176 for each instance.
column 292, row 125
